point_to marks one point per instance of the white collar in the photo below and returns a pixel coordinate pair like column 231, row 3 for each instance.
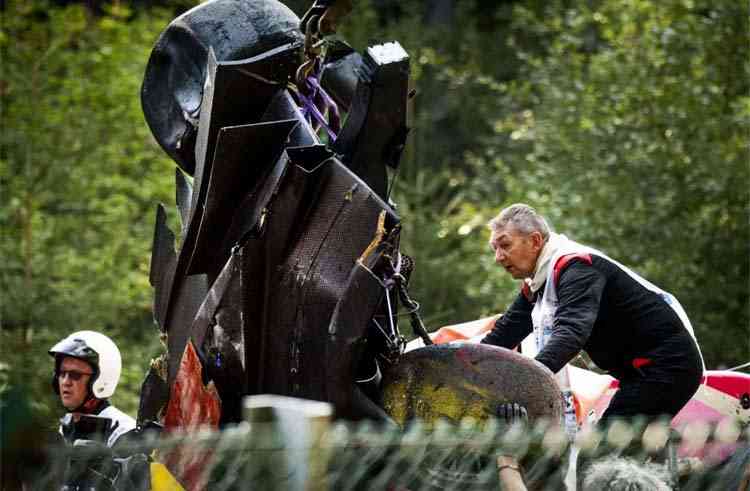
column 554, row 241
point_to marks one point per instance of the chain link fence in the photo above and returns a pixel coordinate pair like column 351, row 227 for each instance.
column 295, row 450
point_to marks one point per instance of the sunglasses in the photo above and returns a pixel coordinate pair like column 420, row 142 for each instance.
column 73, row 375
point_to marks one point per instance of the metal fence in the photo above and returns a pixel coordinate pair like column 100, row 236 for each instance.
column 289, row 449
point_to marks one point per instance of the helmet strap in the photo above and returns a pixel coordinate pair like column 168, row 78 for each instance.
column 91, row 405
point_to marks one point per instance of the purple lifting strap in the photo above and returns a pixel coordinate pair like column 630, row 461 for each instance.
column 315, row 103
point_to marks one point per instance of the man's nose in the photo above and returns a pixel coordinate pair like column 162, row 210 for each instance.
column 499, row 256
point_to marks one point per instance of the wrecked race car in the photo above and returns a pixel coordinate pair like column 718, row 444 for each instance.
column 288, row 277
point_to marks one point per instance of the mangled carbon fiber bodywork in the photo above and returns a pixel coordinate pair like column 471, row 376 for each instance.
column 286, row 247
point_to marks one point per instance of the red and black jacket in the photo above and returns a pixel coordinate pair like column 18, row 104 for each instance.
column 626, row 329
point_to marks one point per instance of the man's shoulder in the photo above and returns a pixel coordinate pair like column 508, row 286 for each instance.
column 565, row 261
column 115, row 414
column 121, row 423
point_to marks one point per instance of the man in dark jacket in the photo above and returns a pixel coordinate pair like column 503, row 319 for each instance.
column 576, row 298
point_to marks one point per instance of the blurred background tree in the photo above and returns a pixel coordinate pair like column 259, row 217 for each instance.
column 80, row 176
column 626, row 122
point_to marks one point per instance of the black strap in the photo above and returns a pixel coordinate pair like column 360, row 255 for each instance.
column 416, row 320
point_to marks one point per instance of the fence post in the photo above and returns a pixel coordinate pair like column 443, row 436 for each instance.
column 287, row 434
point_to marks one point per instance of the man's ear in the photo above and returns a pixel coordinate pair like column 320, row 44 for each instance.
column 537, row 240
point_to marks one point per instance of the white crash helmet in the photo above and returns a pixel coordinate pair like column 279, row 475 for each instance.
column 97, row 350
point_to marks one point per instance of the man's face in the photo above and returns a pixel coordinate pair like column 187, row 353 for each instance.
column 73, row 392
column 515, row 251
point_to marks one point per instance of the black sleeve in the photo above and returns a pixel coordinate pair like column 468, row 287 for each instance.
column 579, row 293
column 513, row 326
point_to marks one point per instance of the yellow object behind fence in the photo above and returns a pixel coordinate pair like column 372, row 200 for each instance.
column 162, row 479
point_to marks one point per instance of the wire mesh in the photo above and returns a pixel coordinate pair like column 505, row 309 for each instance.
column 365, row 455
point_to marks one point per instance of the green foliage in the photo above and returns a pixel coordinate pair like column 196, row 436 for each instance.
column 82, row 176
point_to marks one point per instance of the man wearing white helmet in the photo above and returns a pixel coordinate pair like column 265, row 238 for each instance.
column 87, row 369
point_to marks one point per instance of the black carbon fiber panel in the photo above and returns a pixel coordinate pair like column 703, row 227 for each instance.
column 321, row 221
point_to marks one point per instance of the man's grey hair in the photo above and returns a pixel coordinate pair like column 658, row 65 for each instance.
column 620, row 474
column 523, row 218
